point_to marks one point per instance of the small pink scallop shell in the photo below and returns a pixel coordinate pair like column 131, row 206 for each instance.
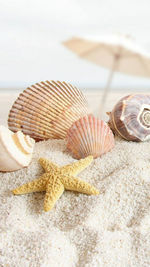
column 89, row 136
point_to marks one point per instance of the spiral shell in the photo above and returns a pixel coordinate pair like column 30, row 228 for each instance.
column 46, row 110
column 130, row 118
column 89, row 136
column 15, row 150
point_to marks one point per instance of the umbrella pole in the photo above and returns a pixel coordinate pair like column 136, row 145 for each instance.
column 108, row 84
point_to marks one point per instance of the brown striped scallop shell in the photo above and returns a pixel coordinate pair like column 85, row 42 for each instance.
column 130, row 118
column 47, row 109
column 89, row 136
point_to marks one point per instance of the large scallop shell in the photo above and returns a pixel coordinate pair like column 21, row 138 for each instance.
column 130, row 118
column 89, row 136
column 46, row 110
column 15, row 150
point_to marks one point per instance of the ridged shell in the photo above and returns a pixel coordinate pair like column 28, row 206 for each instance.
column 89, row 136
column 46, row 110
column 130, row 118
column 15, row 150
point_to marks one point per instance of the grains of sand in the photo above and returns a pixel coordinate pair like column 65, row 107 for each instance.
column 112, row 229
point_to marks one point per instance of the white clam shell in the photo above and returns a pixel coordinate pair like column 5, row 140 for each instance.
column 15, row 150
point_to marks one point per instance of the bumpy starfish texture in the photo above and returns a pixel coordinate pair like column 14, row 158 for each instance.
column 56, row 179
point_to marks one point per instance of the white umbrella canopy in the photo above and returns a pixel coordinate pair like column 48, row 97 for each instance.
column 116, row 52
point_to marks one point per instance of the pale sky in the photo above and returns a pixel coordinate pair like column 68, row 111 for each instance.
column 32, row 32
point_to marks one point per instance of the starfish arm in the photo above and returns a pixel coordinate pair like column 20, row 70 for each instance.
column 37, row 185
column 75, row 184
column 76, row 167
column 54, row 190
column 47, row 165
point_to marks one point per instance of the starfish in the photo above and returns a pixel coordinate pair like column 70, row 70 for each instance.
column 56, row 179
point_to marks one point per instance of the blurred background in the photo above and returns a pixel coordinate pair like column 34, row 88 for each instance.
column 32, row 32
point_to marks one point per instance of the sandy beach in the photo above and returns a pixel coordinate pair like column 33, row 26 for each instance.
column 108, row 230
column 53, row 215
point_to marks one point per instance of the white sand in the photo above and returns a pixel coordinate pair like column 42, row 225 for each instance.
column 112, row 229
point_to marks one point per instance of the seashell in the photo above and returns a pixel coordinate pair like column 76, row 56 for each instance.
column 15, row 150
column 89, row 136
column 130, row 118
column 46, row 110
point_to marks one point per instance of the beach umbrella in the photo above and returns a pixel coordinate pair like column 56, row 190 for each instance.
column 116, row 52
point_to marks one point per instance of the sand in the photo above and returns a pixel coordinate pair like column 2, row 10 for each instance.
column 112, row 229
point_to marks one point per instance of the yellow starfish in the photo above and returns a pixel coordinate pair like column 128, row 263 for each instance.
column 56, row 179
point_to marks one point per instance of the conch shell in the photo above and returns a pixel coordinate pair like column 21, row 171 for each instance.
column 89, row 136
column 15, row 150
column 47, row 109
column 130, row 118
